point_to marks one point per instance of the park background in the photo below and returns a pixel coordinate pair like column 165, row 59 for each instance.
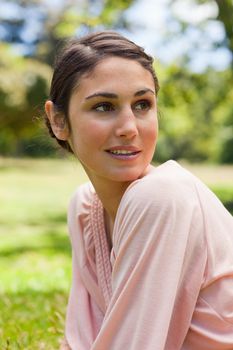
column 192, row 42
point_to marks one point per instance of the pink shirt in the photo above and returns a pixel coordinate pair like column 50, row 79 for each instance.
column 167, row 283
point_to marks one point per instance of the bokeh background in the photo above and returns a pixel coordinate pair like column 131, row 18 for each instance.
column 192, row 43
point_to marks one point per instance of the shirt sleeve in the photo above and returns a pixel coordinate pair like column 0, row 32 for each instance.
column 83, row 316
column 160, row 258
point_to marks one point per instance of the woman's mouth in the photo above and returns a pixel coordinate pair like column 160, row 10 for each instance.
column 123, row 153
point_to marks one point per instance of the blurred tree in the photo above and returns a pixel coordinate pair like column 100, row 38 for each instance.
column 23, row 88
column 197, row 108
column 213, row 10
column 36, row 27
column 225, row 15
column 193, row 108
column 76, row 18
column 198, row 121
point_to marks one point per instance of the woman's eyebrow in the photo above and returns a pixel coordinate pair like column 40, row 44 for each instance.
column 112, row 95
column 102, row 94
column 144, row 91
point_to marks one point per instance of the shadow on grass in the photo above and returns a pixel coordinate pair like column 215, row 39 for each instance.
column 229, row 206
column 49, row 219
column 32, row 319
column 225, row 195
column 54, row 243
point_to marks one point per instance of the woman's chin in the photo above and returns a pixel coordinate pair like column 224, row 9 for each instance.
column 128, row 176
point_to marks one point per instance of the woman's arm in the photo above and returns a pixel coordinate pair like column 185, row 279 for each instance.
column 83, row 316
column 159, row 267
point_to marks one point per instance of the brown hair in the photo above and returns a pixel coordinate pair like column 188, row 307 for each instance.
column 79, row 57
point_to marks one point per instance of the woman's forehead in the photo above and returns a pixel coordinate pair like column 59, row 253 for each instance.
column 114, row 71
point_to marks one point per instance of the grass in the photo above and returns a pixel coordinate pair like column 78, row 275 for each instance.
column 35, row 257
column 218, row 178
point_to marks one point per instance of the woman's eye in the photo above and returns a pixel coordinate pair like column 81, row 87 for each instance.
column 103, row 107
column 142, row 105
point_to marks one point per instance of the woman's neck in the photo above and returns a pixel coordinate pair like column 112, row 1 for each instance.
column 110, row 194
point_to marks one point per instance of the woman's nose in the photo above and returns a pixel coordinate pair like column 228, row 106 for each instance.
column 126, row 124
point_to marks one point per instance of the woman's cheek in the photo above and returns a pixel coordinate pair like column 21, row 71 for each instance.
column 152, row 131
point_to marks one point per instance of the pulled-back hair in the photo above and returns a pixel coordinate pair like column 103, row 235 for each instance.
column 80, row 56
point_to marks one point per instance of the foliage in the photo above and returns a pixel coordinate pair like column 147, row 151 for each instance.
column 226, row 146
column 196, row 115
column 23, row 90
column 225, row 9
column 194, row 109
column 68, row 19
column 223, row 15
column 208, row 134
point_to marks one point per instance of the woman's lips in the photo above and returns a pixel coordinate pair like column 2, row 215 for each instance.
column 124, row 152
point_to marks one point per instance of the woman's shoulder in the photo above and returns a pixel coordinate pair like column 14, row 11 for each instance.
column 85, row 211
column 170, row 186
column 170, row 173
column 79, row 223
column 81, row 199
column 168, row 181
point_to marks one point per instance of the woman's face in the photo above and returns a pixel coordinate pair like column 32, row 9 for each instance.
column 113, row 120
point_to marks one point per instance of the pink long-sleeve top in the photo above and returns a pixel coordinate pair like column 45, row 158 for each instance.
column 167, row 283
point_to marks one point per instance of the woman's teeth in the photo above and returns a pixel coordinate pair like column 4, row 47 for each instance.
column 122, row 152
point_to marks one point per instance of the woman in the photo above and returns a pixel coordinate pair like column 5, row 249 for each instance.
column 152, row 246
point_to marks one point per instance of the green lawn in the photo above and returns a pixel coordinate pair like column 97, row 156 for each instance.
column 35, row 259
column 35, row 262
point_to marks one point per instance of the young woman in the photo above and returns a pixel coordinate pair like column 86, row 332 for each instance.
column 152, row 246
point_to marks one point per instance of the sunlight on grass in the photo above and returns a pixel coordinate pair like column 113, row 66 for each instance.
column 35, row 263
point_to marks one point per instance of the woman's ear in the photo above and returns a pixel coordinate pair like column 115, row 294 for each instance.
column 57, row 121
